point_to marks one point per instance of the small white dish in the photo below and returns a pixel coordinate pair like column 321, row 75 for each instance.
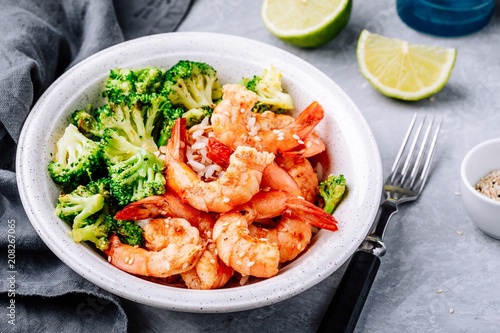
column 352, row 150
column 477, row 163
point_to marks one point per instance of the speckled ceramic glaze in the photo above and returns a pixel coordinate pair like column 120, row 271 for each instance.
column 351, row 148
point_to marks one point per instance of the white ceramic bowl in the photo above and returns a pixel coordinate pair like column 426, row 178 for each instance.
column 352, row 151
column 477, row 163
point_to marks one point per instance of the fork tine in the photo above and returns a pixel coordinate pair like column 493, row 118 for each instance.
column 411, row 154
column 430, row 154
column 413, row 160
column 416, row 165
column 398, row 159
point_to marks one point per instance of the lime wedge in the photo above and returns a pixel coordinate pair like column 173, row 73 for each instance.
column 402, row 70
column 306, row 23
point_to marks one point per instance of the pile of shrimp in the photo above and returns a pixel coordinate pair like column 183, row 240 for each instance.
column 239, row 200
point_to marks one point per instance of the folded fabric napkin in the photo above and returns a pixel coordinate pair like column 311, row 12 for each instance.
column 39, row 40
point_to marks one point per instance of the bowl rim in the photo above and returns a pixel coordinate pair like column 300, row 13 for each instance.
column 466, row 161
column 235, row 301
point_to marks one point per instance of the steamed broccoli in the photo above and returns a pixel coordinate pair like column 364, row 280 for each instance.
column 332, row 190
column 96, row 231
column 83, row 202
column 87, row 124
column 195, row 116
column 136, row 122
column 129, row 232
column 170, row 116
column 135, row 173
column 99, row 230
column 191, row 85
column 270, row 94
column 77, row 160
column 130, row 85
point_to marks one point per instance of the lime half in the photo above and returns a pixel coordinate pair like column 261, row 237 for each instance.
column 402, row 70
column 306, row 23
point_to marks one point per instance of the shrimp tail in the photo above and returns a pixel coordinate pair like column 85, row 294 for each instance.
column 176, row 146
column 146, row 208
column 308, row 119
column 311, row 214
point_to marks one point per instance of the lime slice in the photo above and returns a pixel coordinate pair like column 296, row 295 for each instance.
column 402, row 70
column 306, row 23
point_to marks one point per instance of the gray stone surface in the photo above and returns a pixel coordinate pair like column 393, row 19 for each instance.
column 440, row 273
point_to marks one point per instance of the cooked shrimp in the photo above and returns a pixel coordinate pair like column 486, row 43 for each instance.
column 301, row 171
column 237, row 185
column 273, row 176
column 167, row 205
column 291, row 234
column 234, row 123
column 258, row 256
column 209, row 272
column 172, row 245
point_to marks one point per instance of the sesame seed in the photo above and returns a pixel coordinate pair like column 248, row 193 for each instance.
column 300, row 197
column 184, row 265
column 242, row 110
column 241, row 254
column 226, row 199
column 257, row 138
column 225, row 224
column 308, row 144
column 280, row 138
column 167, row 265
column 451, row 310
column 127, row 259
column 299, row 246
column 238, row 223
column 459, row 232
column 109, row 258
column 439, row 291
column 238, row 262
column 300, row 142
column 212, row 261
column 251, row 263
column 296, row 137
column 131, row 261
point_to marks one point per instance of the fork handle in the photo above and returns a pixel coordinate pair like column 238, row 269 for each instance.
column 347, row 303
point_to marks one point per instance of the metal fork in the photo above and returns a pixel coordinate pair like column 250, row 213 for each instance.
column 405, row 182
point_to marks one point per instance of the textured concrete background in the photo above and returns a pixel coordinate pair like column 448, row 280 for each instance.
column 440, row 273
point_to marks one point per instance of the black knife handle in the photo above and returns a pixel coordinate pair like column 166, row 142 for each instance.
column 347, row 303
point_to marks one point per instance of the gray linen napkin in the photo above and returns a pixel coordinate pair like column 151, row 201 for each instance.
column 39, row 40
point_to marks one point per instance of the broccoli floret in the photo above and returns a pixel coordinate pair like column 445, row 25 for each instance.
column 86, row 123
column 127, row 85
column 270, row 94
column 83, row 202
column 191, row 85
column 77, row 160
column 170, row 116
column 129, row 232
column 117, row 148
column 98, row 231
column 195, row 116
column 137, row 177
column 332, row 190
column 129, row 123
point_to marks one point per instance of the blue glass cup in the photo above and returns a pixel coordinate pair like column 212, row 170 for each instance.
column 446, row 18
